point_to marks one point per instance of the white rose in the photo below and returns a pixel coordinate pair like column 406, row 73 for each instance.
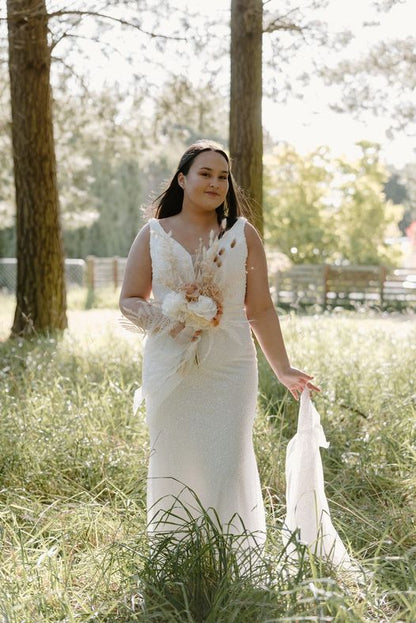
column 174, row 306
column 204, row 307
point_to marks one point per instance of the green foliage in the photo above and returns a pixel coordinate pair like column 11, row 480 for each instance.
column 73, row 478
column 296, row 215
column 116, row 190
column 318, row 208
column 364, row 218
column 100, row 173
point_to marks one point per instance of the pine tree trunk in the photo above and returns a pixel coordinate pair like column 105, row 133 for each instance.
column 246, row 133
column 40, row 294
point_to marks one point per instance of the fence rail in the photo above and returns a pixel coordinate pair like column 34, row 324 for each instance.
column 329, row 285
column 326, row 285
column 104, row 271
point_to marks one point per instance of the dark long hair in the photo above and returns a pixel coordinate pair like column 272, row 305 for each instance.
column 170, row 201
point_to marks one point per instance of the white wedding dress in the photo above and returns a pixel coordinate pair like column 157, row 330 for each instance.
column 200, row 409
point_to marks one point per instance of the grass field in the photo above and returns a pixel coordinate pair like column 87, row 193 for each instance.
column 73, row 476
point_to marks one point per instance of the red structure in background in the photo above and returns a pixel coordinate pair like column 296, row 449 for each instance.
column 411, row 233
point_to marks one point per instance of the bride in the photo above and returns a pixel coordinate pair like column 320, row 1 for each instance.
column 196, row 282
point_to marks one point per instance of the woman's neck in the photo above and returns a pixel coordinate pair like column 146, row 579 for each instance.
column 198, row 220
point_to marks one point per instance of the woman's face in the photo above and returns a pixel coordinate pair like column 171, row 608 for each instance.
column 206, row 183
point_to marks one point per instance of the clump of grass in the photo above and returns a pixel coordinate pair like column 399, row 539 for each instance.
column 200, row 571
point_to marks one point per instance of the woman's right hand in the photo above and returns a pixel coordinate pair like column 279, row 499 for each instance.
column 296, row 380
column 184, row 334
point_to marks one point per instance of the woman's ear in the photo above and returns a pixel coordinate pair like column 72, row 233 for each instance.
column 181, row 179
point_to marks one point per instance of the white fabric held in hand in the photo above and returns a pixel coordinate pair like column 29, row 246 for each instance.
column 307, row 505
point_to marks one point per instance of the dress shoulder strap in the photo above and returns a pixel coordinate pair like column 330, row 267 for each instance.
column 152, row 223
column 239, row 224
column 238, row 228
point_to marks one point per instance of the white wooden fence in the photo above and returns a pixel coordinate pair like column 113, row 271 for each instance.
column 329, row 285
column 104, row 271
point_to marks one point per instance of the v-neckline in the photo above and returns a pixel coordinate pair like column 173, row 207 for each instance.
column 191, row 255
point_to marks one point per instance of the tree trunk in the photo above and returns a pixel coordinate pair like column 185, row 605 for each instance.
column 246, row 133
column 41, row 298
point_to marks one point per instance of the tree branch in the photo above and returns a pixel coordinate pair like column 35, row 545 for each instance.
column 63, row 35
column 123, row 22
column 106, row 48
column 281, row 23
column 277, row 24
column 72, row 72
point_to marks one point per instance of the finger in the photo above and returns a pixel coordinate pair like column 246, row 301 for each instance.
column 185, row 335
column 304, row 377
column 302, row 382
column 294, row 394
column 313, row 387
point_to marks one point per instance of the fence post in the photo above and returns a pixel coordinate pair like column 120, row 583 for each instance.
column 90, row 272
column 325, row 285
column 277, row 286
column 382, row 276
column 115, row 272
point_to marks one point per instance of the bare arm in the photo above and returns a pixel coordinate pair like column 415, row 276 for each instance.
column 137, row 282
column 136, row 289
column 264, row 320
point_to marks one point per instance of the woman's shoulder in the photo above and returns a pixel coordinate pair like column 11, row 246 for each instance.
column 253, row 238
column 249, row 229
column 165, row 223
column 145, row 229
column 143, row 235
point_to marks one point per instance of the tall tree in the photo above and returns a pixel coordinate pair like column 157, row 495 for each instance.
column 248, row 24
column 246, row 134
column 41, row 300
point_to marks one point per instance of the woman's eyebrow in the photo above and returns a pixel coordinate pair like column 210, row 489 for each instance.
column 209, row 169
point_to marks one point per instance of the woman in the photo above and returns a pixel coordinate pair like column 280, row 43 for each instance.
column 206, row 267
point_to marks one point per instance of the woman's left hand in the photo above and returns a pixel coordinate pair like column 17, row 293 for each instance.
column 295, row 380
